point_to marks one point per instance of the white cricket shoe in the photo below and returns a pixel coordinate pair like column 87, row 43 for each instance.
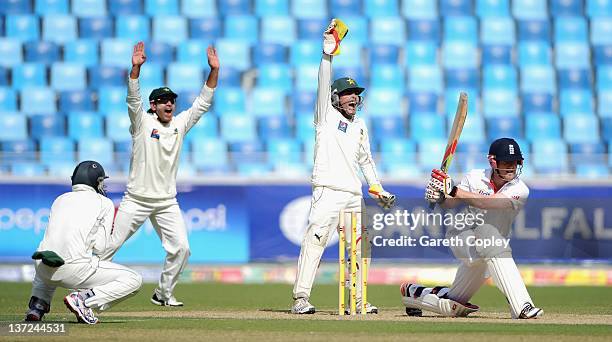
column 75, row 303
column 530, row 312
column 370, row 309
column 302, row 306
column 168, row 302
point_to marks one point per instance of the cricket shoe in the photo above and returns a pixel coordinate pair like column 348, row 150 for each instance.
column 75, row 303
column 301, row 306
column 530, row 312
column 370, row 309
column 34, row 315
column 168, row 302
column 414, row 312
column 38, row 308
column 410, row 311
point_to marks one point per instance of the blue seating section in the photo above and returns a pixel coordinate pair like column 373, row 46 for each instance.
column 536, row 70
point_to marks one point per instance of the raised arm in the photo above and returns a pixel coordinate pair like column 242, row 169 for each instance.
column 213, row 63
column 324, row 89
column 138, row 59
column 134, row 101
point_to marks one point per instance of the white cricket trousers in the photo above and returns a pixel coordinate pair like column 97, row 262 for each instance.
column 105, row 283
column 476, row 266
column 323, row 220
column 166, row 217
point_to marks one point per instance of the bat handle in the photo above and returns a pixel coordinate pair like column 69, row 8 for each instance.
column 432, row 205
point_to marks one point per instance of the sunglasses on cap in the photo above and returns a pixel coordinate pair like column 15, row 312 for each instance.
column 165, row 100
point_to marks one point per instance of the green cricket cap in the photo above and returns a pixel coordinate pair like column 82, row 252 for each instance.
column 161, row 93
column 346, row 83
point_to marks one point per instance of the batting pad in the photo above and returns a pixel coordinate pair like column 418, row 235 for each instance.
column 508, row 279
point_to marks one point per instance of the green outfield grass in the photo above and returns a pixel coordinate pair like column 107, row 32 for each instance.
column 258, row 312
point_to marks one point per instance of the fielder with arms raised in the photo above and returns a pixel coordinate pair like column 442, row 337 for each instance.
column 79, row 223
column 497, row 194
column 157, row 139
column 341, row 148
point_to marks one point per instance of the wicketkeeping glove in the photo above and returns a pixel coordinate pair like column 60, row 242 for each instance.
column 385, row 199
column 443, row 182
column 432, row 194
column 333, row 35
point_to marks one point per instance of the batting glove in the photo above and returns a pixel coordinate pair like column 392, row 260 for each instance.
column 443, row 182
column 432, row 194
column 384, row 199
column 333, row 35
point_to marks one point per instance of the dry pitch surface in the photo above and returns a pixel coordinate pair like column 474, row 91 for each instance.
column 394, row 315
column 260, row 312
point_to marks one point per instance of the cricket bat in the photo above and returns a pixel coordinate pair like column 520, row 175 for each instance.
column 453, row 138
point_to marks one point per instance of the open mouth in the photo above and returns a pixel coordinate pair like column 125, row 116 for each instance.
column 352, row 105
column 168, row 111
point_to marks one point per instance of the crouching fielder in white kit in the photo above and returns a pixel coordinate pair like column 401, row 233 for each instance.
column 79, row 224
column 341, row 148
column 498, row 195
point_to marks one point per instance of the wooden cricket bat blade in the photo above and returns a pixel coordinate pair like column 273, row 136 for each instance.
column 453, row 137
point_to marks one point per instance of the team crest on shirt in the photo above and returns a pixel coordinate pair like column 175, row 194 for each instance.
column 342, row 126
column 155, row 134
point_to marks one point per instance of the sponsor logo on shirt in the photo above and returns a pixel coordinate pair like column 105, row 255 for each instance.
column 342, row 126
column 516, row 197
column 176, row 131
column 155, row 134
column 484, row 192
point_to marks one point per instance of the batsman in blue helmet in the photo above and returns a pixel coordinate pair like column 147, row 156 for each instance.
column 494, row 196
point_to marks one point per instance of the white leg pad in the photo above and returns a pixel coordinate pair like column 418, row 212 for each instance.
column 437, row 303
column 451, row 308
column 508, row 279
column 428, row 302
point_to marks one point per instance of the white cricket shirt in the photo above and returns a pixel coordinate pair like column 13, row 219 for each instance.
column 76, row 218
column 156, row 146
column 479, row 181
column 342, row 147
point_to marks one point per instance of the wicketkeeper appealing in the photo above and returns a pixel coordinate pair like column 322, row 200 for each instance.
column 79, row 224
column 157, row 139
column 342, row 147
column 498, row 194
